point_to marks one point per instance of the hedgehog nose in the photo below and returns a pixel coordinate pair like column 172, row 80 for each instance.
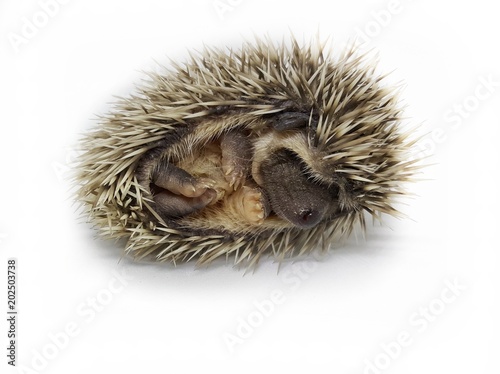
column 308, row 218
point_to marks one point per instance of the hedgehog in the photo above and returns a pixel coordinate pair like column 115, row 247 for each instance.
column 274, row 148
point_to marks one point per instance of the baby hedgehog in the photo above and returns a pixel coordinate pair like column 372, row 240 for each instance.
column 269, row 149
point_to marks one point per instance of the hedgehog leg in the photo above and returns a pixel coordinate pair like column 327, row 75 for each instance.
column 179, row 181
column 236, row 158
column 177, row 192
column 172, row 205
column 249, row 203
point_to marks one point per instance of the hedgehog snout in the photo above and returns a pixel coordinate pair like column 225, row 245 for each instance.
column 303, row 207
column 293, row 196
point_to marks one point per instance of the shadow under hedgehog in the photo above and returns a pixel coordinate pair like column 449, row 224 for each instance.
column 268, row 149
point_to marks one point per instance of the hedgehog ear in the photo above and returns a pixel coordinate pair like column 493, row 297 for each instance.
column 291, row 120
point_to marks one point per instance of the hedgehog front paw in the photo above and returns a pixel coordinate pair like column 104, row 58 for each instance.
column 236, row 158
column 255, row 207
column 234, row 173
column 192, row 187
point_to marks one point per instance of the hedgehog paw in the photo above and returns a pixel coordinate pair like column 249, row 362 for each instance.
column 254, row 204
column 236, row 158
column 234, row 174
column 192, row 187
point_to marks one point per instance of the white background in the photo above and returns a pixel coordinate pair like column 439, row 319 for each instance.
column 339, row 314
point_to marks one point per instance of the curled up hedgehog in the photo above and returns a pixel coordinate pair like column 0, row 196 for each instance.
column 273, row 149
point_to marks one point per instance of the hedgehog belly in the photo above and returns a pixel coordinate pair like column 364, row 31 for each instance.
column 241, row 209
column 206, row 163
